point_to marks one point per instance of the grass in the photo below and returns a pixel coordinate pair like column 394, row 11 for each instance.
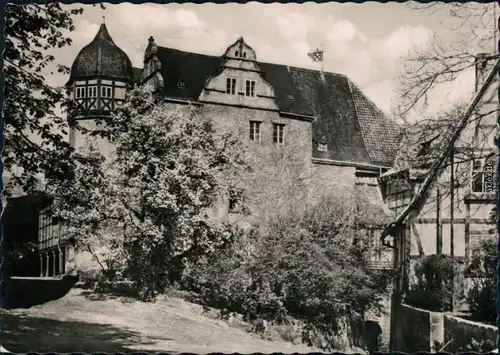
column 81, row 321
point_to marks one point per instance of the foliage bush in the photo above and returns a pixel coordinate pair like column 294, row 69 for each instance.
column 310, row 267
column 146, row 204
column 433, row 285
column 481, row 272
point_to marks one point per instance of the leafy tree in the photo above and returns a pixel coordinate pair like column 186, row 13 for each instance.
column 155, row 190
column 434, row 284
column 481, row 272
column 35, row 131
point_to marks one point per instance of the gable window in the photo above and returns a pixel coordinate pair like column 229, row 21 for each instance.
column 235, row 198
column 483, row 176
column 250, row 88
column 255, row 131
column 278, row 133
column 231, row 86
column 92, row 91
column 106, row 92
column 79, row 92
column 322, row 147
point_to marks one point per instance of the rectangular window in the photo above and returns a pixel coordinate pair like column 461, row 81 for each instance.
column 255, row 131
column 92, row 91
column 483, row 176
column 278, row 133
column 250, row 88
column 231, row 86
column 79, row 92
column 106, row 92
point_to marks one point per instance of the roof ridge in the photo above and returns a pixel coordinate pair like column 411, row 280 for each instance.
column 259, row 62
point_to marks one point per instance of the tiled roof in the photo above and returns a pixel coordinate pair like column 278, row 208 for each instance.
column 374, row 126
column 101, row 58
column 355, row 130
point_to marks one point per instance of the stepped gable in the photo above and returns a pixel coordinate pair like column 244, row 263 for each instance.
column 355, row 129
column 102, row 58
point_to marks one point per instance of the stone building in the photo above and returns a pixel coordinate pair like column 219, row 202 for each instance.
column 339, row 138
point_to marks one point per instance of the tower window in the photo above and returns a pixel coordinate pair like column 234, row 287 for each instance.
column 278, row 133
column 106, row 92
column 250, row 88
column 244, row 54
column 92, row 91
column 79, row 92
column 236, row 53
column 255, row 131
column 231, row 86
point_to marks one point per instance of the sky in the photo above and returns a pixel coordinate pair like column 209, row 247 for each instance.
column 367, row 42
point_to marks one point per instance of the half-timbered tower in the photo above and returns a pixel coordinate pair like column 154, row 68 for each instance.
column 99, row 78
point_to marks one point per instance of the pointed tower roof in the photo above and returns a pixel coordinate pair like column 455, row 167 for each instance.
column 101, row 58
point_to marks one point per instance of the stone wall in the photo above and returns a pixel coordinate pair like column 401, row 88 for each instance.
column 461, row 333
column 413, row 329
column 422, row 330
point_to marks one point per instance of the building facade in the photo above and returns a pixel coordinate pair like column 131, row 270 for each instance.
column 319, row 124
column 445, row 205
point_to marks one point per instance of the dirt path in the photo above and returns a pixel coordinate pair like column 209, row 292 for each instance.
column 77, row 323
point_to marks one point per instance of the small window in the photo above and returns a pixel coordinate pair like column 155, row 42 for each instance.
column 231, row 86
column 290, row 97
column 250, row 88
column 92, row 91
column 255, row 131
column 278, row 133
column 236, row 54
column 244, row 54
column 322, row 147
column 106, row 92
column 235, row 198
column 181, row 85
column 79, row 92
column 483, row 176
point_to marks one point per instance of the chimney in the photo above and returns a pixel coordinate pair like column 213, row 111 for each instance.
column 483, row 63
